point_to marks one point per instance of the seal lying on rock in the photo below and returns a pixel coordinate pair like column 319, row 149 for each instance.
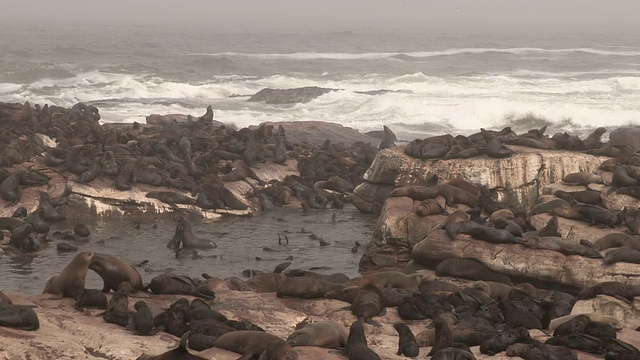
column 18, row 317
column 254, row 344
column 328, row 334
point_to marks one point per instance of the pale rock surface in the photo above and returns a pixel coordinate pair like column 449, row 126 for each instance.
column 574, row 230
column 517, row 180
column 625, row 313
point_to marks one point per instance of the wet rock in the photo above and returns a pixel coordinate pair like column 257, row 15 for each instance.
column 289, row 96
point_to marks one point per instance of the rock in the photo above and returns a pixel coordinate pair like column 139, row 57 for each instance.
column 574, row 230
column 289, row 96
column 517, row 180
column 619, row 201
column 627, row 314
column 316, row 132
column 550, row 269
column 628, row 135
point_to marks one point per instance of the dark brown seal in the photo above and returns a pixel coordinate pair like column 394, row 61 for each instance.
column 368, row 303
column 429, row 207
column 443, row 337
column 70, row 281
column 581, row 178
column 407, row 344
column 254, row 344
column 454, row 196
column 141, row 322
column 416, row 192
column 357, row 348
column 305, row 287
column 179, row 353
column 18, row 317
column 622, row 254
column 618, row 240
column 561, row 245
column 90, row 298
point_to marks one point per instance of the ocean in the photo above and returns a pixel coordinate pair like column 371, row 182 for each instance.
column 433, row 82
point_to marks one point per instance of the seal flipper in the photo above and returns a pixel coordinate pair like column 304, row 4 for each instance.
column 373, row 322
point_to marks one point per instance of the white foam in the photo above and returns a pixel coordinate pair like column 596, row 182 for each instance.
column 9, row 87
column 420, row 54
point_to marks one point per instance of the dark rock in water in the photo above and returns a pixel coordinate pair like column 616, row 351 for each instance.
column 81, row 230
column 289, row 96
column 65, row 247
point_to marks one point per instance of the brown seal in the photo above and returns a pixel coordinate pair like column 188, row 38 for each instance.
column 254, row 344
column 618, row 290
column 585, row 196
column 386, row 279
column 452, row 353
column 454, row 196
column 18, row 317
column 189, row 240
column 464, row 185
column 581, row 178
column 589, row 213
column 338, row 278
column 70, row 281
column 416, row 192
column 623, row 177
column 429, row 207
column 469, row 269
column 495, row 149
column 305, row 287
column 327, row 334
column 114, row 272
column 561, row 245
column 618, row 240
column 357, row 344
column 388, row 140
column 622, row 254
column 267, row 282
column 179, row 353
column 4, row 299
column 368, row 303
column 501, row 341
column 176, row 284
column 494, row 289
column 549, row 206
column 91, row 298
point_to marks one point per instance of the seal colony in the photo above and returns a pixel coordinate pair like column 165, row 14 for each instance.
column 498, row 313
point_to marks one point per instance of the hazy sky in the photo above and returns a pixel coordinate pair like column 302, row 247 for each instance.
column 575, row 15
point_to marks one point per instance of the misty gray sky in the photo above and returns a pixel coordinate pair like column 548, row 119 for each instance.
column 552, row 15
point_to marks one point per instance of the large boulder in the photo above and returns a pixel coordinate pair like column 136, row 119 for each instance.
column 289, row 96
column 516, row 180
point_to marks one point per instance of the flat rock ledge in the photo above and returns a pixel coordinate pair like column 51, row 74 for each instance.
column 517, row 180
column 69, row 334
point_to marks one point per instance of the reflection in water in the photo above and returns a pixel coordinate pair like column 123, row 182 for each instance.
column 243, row 243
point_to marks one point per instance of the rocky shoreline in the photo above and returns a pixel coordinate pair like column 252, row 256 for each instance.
column 433, row 209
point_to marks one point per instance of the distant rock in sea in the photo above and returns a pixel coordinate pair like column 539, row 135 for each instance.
column 289, row 96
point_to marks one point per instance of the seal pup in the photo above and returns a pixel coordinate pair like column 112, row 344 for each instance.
column 18, row 317
column 407, row 344
column 70, row 281
column 452, row 353
column 326, row 333
column 91, row 298
column 141, row 322
column 49, row 213
column 357, row 348
column 179, row 353
column 10, row 188
column 254, row 344
column 581, row 178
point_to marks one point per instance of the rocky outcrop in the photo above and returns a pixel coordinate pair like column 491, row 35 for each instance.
column 289, row 96
column 516, row 180
column 315, row 133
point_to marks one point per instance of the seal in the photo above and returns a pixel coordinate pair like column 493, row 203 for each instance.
column 549, row 206
column 176, row 240
column 338, row 278
column 501, row 341
column 454, row 196
column 388, row 140
column 443, row 338
column 114, row 272
column 495, row 149
column 416, row 192
column 561, row 245
column 18, row 317
column 622, row 254
column 494, row 289
column 541, row 351
column 585, row 196
column 176, row 284
column 368, row 303
column 618, row 290
column 622, row 177
column 508, row 225
column 254, row 344
column 90, row 298
column 70, row 281
column 189, row 240
column 4, row 299
column 118, row 306
column 633, row 191
column 385, row 279
column 469, row 269
column 588, row 213
column 141, row 322
column 452, row 353
column 407, row 344
column 582, row 178
column 357, row 348
column 481, row 232
column 10, row 189
column 179, row 353
column 618, row 240
column 306, row 287
column 327, row 334
column 516, row 317
column 267, row 282
column 429, row 207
